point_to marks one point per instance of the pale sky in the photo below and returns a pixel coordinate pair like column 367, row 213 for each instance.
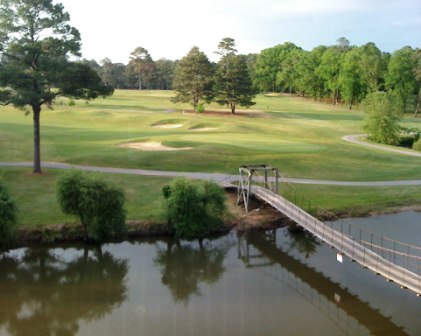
column 170, row 28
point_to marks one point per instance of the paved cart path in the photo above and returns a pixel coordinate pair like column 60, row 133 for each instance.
column 357, row 139
column 218, row 177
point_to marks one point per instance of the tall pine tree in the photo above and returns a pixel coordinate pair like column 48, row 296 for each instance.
column 193, row 78
column 35, row 44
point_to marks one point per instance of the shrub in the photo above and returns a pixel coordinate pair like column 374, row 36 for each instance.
column 99, row 205
column 408, row 136
column 193, row 210
column 382, row 117
column 7, row 217
column 200, row 108
column 417, row 145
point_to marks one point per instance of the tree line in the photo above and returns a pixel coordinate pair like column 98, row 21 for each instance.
column 340, row 73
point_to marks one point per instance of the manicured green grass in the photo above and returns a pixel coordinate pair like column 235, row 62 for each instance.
column 299, row 136
column 352, row 201
column 35, row 196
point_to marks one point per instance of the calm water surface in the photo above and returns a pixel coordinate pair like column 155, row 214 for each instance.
column 273, row 283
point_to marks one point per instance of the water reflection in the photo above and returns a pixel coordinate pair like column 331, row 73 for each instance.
column 185, row 264
column 43, row 293
column 301, row 241
column 264, row 246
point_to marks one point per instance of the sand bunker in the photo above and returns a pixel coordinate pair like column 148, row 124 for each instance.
column 168, row 126
column 203, row 129
column 151, row 146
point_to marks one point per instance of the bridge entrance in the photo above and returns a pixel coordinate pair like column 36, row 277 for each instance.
column 261, row 173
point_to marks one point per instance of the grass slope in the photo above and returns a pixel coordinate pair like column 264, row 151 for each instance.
column 299, row 136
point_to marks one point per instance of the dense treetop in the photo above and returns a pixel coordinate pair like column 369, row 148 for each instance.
column 338, row 73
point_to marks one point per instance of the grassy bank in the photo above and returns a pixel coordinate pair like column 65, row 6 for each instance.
column 299, row 136
column 37, row 204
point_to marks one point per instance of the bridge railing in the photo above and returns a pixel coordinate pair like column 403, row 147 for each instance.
column 394, row 264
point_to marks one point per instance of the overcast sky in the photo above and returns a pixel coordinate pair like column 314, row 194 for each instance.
column 170, row 28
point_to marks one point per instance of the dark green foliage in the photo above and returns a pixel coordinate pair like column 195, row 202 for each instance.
column 7, row 217
column 36, row 42
column 193, row 209
column 417, row 145
column 200, row 108
column 233, row 85
column 193, row 79
column 382, row 117
column 99, row 206
column 401, row 75
column 408, row 136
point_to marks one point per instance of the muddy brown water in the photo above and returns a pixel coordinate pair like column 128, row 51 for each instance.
column 259, row 283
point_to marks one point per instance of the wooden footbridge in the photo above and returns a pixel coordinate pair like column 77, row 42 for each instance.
column 391, row 259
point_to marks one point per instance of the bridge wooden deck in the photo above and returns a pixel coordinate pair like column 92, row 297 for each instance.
column 364, row 252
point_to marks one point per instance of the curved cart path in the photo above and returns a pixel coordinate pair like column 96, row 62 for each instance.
column 218, row 177
column 355, row 139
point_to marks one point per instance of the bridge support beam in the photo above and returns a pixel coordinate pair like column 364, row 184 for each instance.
column 246, row 178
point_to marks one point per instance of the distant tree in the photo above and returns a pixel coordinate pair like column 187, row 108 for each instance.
column 373, row 67
column 382, row 115
column 143, row 65
column 193, row 78
column 7, row 216
column 105, row 71
column 233, row 85
column 35, row 44
column 307, row 79
column 251, row 66
column 350, row 79
column 99, row 205
column 112, row 74
column 269, row 66
column 288, row 75
column 417, row 72
column 329, row 70
column 226, row 46
column 164, row 73
column 400, row 75
column 343, row 44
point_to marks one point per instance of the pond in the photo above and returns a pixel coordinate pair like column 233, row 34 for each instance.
column 260, row 283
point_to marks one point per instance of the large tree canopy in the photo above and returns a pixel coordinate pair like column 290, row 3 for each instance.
column 193, row 78
column 36, row 42
column 233, row 85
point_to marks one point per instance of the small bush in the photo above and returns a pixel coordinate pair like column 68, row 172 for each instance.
column 71, row 102
column 193, row 210
column 417, row 145
column 99, row 206
column 408, row 136
column 7, row 217
column 200, row 108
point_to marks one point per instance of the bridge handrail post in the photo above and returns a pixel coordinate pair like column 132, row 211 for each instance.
column 394, row 252
column 315, row 224
column 419, row 288
column 364, row 248
column 331, row 241
column 381, row 239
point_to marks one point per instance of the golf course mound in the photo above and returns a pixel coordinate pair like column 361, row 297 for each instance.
column 151, row 146
column 168, row 123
